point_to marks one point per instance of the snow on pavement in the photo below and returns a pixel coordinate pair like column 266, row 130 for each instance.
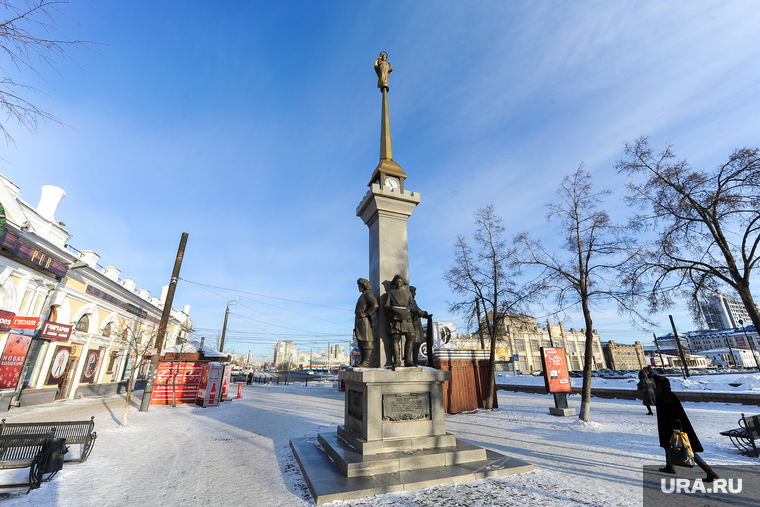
column 238, row 453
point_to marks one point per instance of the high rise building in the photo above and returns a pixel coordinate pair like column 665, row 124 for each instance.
column 723, row 312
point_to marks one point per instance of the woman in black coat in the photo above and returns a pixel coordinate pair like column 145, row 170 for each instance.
column 646, row 386
column 671, row 416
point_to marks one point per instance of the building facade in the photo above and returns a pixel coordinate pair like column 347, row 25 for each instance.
column 521, row 337
column 624, row 357
column 723, row 312
column 76, row 328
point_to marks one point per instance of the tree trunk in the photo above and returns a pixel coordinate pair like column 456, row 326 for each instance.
column 491, row 392
column 480, row 328
column 125, row 418
column 585, row 413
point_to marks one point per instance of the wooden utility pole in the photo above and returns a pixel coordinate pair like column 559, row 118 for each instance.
column 145, row 402
column 678, row 344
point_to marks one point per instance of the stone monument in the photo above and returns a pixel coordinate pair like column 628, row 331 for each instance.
column 385, row 209
column 393, row 437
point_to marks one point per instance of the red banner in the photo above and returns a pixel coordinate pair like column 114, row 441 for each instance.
column 555, row 370
column 6, row 319
column 13, row 359
column 25, row 322
column 55, row 331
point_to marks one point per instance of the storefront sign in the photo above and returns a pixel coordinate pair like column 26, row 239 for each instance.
column 13, row 359
column 58, row 366
column 55, row 331
column 92, row 291
column 25, row 322
column 555, row 370
column 91, row 366
column 6, row 319
column 27, row 252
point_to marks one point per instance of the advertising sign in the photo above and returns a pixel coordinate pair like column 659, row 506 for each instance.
column 91, row 365
column 58, row 366
column 27, row 252
column 555, row 370
column 13, row 359
column 55, row 331
column 25, row 322
column 6, row 319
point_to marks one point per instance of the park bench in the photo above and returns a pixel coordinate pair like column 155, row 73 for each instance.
column 75, row 432
column 41, row 452
column 747, row 436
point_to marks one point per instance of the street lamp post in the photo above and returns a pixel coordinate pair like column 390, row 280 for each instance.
column 224, row 328
column 751, row 344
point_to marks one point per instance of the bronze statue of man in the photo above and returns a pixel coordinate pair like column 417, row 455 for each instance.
column 366, row 306
column 383, row 70
column 412, row 350
column 398, row 306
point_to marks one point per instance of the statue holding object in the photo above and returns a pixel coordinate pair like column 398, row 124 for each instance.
column 366, row 306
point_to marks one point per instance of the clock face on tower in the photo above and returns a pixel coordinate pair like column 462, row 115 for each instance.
column 391, row 183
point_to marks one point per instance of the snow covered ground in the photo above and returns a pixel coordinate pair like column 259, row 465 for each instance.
column 745, row 382
column 238, row 454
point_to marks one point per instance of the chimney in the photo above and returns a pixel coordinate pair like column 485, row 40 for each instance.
column 186, row 309
column 88, row 256
column 143, row 293
column 112, row 273
column 49, row 201
column 129, row 284
column 164, row 293
column 154, row 301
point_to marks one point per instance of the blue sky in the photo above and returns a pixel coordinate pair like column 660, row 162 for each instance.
column 254, row 127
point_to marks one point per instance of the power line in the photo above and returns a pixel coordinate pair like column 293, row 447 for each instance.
column 235, row 291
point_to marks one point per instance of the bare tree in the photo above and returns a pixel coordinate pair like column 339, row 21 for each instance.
column 583, row 277
column 28, row 36
column 486, row 279
column 139, row 344
column 707, row 226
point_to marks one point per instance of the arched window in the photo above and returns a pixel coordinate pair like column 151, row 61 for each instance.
column 83, row 324
column 107, row 330
column 125, row 334
column 53, row 314
column 3, row 298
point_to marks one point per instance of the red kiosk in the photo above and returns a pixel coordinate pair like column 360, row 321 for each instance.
column 181, row 367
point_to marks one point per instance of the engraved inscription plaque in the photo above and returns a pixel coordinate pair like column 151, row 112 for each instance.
column 355, row 404
column 406, row 407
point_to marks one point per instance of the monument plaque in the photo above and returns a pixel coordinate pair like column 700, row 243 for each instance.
column 355, row 400
column 406, row 407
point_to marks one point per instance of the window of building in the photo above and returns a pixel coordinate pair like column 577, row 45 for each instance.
column 83, row 324
column 111, row 361
column 53, row 314
column 107, row 330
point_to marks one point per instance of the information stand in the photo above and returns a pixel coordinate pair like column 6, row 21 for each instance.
column 557, row 380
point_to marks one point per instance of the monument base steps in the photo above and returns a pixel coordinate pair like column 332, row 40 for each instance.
column 326, row 469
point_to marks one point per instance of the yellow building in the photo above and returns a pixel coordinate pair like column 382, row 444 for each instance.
column 85, row 327
column 522, row 337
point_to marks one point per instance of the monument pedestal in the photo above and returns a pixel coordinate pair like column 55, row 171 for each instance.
column 393, row 439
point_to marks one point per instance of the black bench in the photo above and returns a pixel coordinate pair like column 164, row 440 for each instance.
column 747, row 436
column 41, row 452
column 75, row 432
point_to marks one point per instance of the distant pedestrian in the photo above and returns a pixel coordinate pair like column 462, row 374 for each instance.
column 646, row 386
column 671, row 416
column 249, row 379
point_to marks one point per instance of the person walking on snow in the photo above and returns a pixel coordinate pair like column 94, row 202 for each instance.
column 646, row 386
column 671, row 416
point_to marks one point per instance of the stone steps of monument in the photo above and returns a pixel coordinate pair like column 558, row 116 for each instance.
column 354, row 464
